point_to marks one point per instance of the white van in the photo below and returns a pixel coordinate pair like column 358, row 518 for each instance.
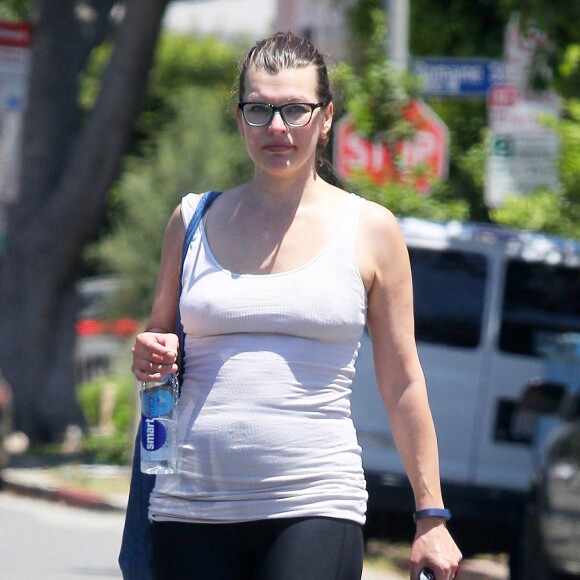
column 486, row 299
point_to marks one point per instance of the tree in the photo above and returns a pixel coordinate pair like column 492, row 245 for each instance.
column 200, row 149
column 375, row 96
column 68, row 166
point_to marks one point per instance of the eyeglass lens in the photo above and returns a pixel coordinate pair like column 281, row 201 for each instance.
column 297, row 114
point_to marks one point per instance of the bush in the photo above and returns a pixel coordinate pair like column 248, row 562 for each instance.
column 200, row 150
column 108, row 404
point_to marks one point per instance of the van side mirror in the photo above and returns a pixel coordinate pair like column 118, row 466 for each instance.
column 543, row 397
column 516, row 421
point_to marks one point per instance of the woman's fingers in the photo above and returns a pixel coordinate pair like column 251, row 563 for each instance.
column 154, row 355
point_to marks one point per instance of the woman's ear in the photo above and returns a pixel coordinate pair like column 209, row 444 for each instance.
column 328, row 114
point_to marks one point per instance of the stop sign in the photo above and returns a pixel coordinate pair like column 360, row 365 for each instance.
column 421, row 160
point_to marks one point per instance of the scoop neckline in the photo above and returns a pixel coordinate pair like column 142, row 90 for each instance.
column 329, row 243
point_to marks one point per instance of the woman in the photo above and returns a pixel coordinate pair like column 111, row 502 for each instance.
column 278, row 285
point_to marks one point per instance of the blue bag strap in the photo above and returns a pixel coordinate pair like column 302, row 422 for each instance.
column 203, row 205
column 135, row 558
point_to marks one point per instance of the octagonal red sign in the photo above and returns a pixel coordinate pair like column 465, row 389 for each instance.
column 422, row 160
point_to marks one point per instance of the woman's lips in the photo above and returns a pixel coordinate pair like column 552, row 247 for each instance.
column 278, row 147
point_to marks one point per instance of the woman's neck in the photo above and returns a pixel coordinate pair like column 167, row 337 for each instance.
column 266, row 191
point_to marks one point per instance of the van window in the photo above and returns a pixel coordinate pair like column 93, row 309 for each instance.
column 540, row 302
column 449, row 293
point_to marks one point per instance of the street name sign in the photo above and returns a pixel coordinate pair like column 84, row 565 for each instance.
column 458, row 77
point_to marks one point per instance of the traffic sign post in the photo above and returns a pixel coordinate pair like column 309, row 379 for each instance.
column 420, row 161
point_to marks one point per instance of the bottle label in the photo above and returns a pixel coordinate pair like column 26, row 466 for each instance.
column 153, row 434
column 156, row 404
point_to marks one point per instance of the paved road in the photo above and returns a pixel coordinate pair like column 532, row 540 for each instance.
column 41, row 540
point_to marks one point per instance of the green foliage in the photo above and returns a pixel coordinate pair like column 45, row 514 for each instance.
column 360, row 17
column 90, row 80
column 458, row 27
column 569, row 129
column 450, row 28
column 466, row 121
column 555, row 212
column 472, row 163
column 197, row 151
column 403, row 200
column 541, row 210
column 375, row 94
column 14, row 10
column 181, row 62
column 110, row 443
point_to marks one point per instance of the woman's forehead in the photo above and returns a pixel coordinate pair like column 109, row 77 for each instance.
column 290, row 83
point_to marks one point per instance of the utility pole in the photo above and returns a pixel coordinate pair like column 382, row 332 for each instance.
column 398, row 33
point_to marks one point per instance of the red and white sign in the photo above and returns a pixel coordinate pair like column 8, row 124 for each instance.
column 15, row 34
column 421, row 161
column 14, row 65
column 509, row 110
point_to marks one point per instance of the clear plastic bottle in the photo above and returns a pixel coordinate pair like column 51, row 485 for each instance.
column 159, row 426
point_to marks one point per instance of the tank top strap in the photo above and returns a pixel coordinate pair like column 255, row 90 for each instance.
column 345, row 238
column 188, row 204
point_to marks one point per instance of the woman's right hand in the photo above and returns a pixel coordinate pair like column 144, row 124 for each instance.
column 154, row 355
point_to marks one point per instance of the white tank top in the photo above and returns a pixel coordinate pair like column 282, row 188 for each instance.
column 265, row 428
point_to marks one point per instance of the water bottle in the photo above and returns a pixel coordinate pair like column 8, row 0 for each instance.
column 159, row 426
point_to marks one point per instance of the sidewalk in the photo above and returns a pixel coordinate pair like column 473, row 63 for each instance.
column 107, row 491
column 105, row 488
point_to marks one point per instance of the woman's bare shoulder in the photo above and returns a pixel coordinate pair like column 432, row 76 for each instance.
column 377, row 223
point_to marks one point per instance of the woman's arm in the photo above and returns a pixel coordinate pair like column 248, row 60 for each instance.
column 386, row 272
column 155, row 350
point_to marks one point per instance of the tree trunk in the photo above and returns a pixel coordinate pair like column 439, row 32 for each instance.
column 67, row 170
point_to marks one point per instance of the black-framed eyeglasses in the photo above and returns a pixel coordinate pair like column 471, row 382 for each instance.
column 293, row 114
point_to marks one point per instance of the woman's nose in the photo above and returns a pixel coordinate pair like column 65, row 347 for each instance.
column 277, row 123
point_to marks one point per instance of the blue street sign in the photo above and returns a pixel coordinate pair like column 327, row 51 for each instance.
column 458, row 77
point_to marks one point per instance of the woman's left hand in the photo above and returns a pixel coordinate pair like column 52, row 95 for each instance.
column 434, row 548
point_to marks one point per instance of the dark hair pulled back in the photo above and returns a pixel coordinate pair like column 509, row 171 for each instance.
column 284, row 50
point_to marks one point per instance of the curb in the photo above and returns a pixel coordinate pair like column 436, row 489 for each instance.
column 72, row 496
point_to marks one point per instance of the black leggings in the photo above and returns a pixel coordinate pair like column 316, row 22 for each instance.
column 280, row 549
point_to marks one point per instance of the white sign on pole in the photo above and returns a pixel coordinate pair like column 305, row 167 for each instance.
column 523, row 152
column 14, row 66
column 518, row 51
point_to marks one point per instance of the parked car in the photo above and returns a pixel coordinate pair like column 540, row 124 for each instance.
column 551, row 540
column 486, row 301
column 102, row 327
column 102, row 299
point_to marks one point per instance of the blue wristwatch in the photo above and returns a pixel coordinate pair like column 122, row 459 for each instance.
column 432, row 513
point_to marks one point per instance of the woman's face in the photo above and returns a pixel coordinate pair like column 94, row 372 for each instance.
column 278, row 149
